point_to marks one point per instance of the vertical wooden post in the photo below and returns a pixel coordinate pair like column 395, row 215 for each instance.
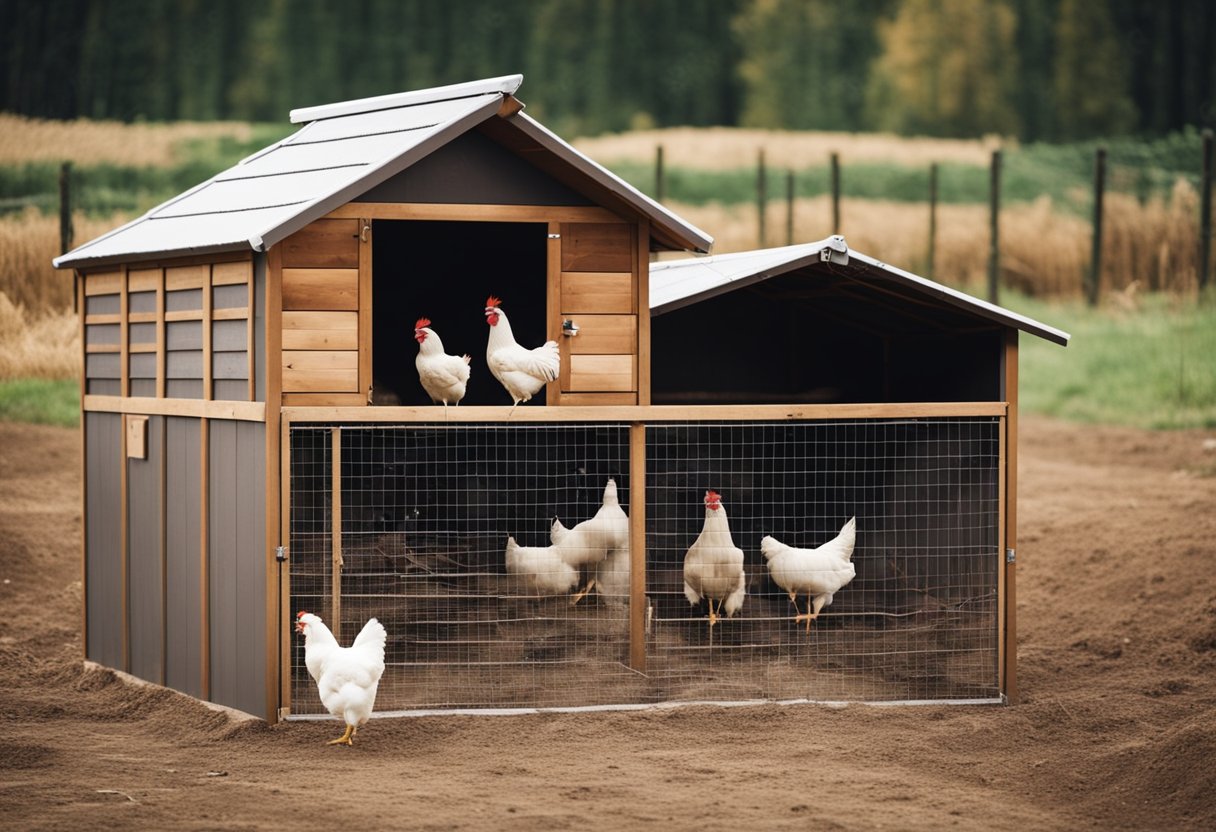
column 660, row 185
column 1094, row 280
column 761, row 197
column 1010, row 645
column 932, row 253
column 366, row 283
column 66, row 232
column 553, row 311
column 335, row 451
column 1205, row 212
column 994, row 228
column 637, row 546
column 789, row 207
column 835, row 193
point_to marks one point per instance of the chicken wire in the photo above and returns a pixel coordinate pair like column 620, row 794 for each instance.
column 426, row 511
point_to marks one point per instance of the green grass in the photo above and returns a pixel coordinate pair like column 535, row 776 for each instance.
column 40, row 401
column 1152, row 368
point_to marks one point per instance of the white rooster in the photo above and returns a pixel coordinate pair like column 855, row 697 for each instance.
column 522, row 372
column 601, row 542
column 541, row 568
column 346, row 677
column 820, row 572
column 444, row 377
column 713, row 565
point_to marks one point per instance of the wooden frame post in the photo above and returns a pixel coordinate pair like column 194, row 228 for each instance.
column 637, row 547
column 335, row 452
column 1009, row 612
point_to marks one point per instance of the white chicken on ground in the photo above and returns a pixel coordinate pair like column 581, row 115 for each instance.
column 521, row 371
column 602, row 543
column 541, row 569
column 819, row 572
column 713, row 565
column 346, row 677
column 444, row 377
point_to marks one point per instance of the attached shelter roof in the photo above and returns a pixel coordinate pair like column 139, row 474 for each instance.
column 342, row 151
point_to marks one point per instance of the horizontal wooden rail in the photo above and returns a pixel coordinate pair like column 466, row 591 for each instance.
column 473, row 213
column 196, row 408
column 654, row 413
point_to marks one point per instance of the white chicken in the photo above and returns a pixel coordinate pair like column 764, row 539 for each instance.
column 541, row 568
column 444, row 377
column 346, row 677
column 713, row 565
column 522, row 372
column 820, row 572
column 601, row 542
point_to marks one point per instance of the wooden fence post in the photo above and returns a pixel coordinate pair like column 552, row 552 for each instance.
column 994, row 228
column 1205, row 212
column 66, row 232
column 835, row 193
column 932, row 254
column 789, row 207
column 659, row 183
column 761, row 195
column 1095, row 257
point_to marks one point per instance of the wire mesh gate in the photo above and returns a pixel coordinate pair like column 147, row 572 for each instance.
column 410, row 524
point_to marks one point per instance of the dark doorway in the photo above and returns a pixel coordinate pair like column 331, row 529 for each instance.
column 445, row 271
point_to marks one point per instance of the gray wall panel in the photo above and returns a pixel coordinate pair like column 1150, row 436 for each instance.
column 102, row 334
column 102, row 305
column 143, row 365
column 228, row 336
column 221, row 561
column 143, row 388
column 230, row 390
column 102, row 365
column 141, row 302
column 229, row 365
column 144, row 580
column 183, row 562
column 178, row 388
column 233, row 296
column 141, row 333
column 184, row 335
column 103, row 387
column 183, row 299
column 184, row 364
column 103, row 538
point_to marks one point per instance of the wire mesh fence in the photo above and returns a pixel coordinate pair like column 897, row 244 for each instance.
column 447, row 536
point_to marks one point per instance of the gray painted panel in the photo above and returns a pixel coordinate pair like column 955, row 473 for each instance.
column 103, row 538
column 228, row 336
column 183, row 564
column 233, row 296
column 142, row 333
column 145, row 600
column 477, row 170
column 183, row 299
column 183, row 388
column 229, row 365
column 143, row 388
column 231, row 390
column 221, row 561
column 103, row 387
column 102, row 305
column 184, row 364
column 141, row 302
column 102, row 333
column 184, row 335
column 143, row 365
column 259, row 327
column 102, row 365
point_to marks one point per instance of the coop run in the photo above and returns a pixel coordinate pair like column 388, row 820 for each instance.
column 409, row 523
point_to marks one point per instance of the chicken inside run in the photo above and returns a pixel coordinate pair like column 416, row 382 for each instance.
column 843, row 560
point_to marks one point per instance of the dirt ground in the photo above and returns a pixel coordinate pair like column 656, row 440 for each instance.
column 1116, row 728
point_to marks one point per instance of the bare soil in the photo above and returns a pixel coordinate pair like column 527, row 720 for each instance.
column 1116, row 727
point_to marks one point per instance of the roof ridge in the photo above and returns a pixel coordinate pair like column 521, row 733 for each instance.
column 502, row 85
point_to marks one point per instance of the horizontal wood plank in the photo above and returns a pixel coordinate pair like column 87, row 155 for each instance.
column 320, row 359
column 596, row 292
column 185, row 277
column 102, row 283
column 597, row 247
column 320, row 289
column 337, row 321
column 320, row 339
column 143, row 280
column 197, row 408
column 343, row 400
column 225, row 274
column 184, row 315
column 231, row 314
column 320, row 381
column 141, row 317
column 476, row 213
column 604, row 335
column 603, row 373
column 102, row 348
column 325, row 243
column 598, row 399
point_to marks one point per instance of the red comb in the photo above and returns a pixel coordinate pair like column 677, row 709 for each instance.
column 301, row 614
column 712, row 496
column 493, row 301
column 422, row 322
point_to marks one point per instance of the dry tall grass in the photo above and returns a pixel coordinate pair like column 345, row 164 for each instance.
column 45, row 345
column 28, row 242
column 28, row 140
column 728, row 148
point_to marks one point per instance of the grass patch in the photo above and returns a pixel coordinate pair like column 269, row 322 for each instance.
column 1154, row 367
column 40, row 401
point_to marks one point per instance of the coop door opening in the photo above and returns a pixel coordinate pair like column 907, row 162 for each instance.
column 410, row 525
column 445, row 271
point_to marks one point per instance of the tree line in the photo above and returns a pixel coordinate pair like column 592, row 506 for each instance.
column 1034, row 69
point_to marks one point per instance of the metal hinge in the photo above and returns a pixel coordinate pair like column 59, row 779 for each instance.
column 280, row 553
column 555, row 236
column 1011, row 556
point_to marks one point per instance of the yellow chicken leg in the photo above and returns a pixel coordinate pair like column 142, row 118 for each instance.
column 345, row 739
column 713, row 616
column 582, row 593
column 811, row 616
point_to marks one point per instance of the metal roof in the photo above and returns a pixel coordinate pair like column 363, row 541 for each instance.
column 343, row 150
column 675, row 284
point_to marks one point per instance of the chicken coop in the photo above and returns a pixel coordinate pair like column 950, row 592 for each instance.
column 256, row 440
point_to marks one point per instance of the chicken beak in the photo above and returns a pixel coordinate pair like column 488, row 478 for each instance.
column 419, row 335
column 300, row 627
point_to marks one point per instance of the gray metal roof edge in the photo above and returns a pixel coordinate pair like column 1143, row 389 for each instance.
column 699, row 240
column 505, row 84
column 811, row 255
column 360, row 185
column 159, row 254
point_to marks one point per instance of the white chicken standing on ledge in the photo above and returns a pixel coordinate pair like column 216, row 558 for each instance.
column 713, row 565
column 444, row 377
column 346, row 677
column 819, row 572
column 522, row 372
